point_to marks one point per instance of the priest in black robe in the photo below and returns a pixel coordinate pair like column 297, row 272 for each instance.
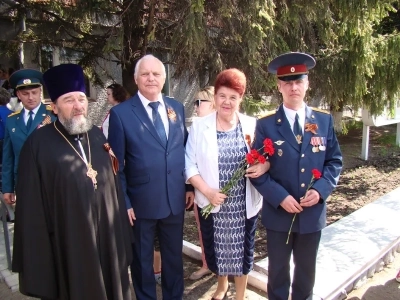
column 72, row 235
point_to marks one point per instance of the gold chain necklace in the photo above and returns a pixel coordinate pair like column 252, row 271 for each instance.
column 91, row 173
column 220, row 125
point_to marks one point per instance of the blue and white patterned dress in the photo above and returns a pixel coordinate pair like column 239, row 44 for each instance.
column 228, row 236
column 229, row 222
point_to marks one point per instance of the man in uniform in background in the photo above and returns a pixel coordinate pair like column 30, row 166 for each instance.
column 72, row 236
column 304, row 140
column 19, row 125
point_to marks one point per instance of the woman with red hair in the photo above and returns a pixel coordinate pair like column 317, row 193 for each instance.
column 216, row 145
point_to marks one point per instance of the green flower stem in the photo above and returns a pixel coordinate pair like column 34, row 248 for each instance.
column 290, row 229
column 294, row 217
column 239, row 173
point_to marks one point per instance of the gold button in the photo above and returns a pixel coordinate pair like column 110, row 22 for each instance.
column 303, row 185
column 302, row 155
column 302, row 170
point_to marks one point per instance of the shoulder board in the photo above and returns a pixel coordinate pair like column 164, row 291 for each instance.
column 320, row 110
column 14, row 113
column 270, row 113
column 48, row 107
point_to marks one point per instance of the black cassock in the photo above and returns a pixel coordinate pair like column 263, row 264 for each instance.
column 71, row 241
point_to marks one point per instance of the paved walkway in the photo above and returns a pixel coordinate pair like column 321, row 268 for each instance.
column 381, row 286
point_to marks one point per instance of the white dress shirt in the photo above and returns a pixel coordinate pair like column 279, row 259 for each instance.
column 105, row 125
column 162, row 110
column 26, row 113
column 291, row 115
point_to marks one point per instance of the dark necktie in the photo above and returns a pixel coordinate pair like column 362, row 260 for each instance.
column 158, row 123
column 29, row 122
column 298, row 133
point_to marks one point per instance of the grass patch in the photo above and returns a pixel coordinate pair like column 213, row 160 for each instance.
column 386, row 140
column 350, row 125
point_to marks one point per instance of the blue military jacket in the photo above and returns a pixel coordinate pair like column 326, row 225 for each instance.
column 14, row 137
column 291, row 166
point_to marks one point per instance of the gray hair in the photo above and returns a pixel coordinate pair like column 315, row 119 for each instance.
column 4, row 96
column 146, row 57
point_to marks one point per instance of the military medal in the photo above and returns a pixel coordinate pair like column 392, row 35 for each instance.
column 315, row 149
column 280, row 152
column 322, row 146
column 91, row 173
column 314, row 144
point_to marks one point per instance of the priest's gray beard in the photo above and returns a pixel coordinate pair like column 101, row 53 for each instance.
column 74, row 126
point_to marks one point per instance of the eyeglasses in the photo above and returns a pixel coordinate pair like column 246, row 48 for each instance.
column 198, row 101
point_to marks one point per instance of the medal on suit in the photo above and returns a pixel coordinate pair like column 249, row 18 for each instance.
column 314, row 143
column 322, row 146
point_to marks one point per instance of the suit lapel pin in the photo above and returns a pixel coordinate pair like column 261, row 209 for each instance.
column 280, row 152
column 279, row 142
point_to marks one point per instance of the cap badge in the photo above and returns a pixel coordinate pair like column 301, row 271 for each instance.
column 26, row 81
column 292, row 69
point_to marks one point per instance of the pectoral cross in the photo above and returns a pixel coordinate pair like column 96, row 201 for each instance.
column 91, row 173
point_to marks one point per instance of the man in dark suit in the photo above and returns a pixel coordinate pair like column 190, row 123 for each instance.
column 148, row 136
column 19, row 125
column 304, row 140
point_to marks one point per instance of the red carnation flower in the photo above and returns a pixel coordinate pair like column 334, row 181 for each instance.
column 250, row 159
column 269, row 147
column 261, row 159
column 316, row 174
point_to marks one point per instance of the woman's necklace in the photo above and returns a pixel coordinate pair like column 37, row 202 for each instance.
column 220, row 125
column 91, row 173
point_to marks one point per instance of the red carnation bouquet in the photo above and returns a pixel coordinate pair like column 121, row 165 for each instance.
column 315, row 176
column 253, row 157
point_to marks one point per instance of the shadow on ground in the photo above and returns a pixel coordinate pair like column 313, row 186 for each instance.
column 389, row 291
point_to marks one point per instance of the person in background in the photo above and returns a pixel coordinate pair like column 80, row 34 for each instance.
column 216, row 146
column 3, row 74
column 204, row 105
column 148, row 135
column 116, row 94
column 7, row 84
column 4, row 113
column 204, row 101
column 398, row 276
column 72, row 235
column 306, row 145
column 20, row 124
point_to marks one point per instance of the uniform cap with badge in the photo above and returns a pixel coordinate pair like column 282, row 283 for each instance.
column 25, row 78
column 291, row 66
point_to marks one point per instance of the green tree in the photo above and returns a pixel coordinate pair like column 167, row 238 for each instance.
column 355, row 42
